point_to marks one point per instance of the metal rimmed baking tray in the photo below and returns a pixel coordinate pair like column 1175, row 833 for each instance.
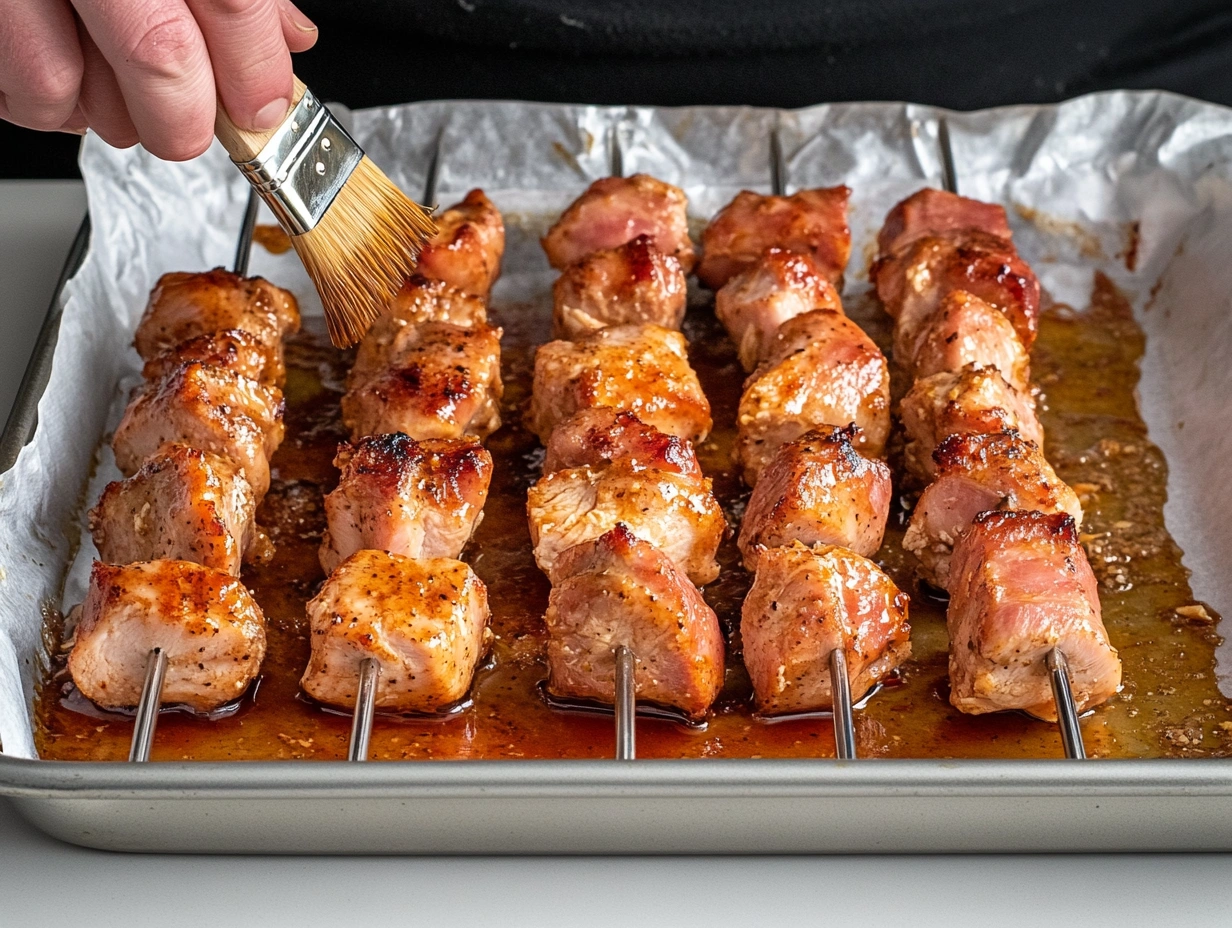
column 1094, row 165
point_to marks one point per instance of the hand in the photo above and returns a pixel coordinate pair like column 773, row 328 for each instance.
column 148, row 71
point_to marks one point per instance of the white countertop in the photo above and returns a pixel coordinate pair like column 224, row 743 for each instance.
column 44, row 882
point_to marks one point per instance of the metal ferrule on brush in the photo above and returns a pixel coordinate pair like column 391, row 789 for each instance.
column 305, row 163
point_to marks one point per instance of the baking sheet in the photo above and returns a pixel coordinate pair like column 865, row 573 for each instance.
column 1135, row 185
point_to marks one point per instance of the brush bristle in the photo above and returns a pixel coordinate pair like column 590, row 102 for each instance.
column 363, row 250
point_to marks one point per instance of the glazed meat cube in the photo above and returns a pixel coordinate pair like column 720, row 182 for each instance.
column 811, row 222
column 755, row 302
column 417, row 499
column 1022, row 586
column 620, row 590
column 467, row 248
column 183, row 504
column 678, row 514
column 817, row 490
column 615, row 210
column 598, row 437
column 209, row 408
column 930, row 212
column 424, row 622
column 977, row 473
column 964, row 330
column 804, row 603
column 640, row 368
column 208, row 625
column 234, row 349
column 821, row 369
column 973, row 401
column 443, row 382
column 633, row 283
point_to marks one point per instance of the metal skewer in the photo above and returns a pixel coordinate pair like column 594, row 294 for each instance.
column 778, row 166
column 146, row 720
column 1067, row 711
column 949, row 177
column 844, row 715
column 625, row 705
column 243, row 248
column 365, row 710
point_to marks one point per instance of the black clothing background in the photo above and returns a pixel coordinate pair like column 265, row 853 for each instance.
column 964, row 54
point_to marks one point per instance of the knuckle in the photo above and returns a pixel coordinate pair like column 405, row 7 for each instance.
column 164, row 45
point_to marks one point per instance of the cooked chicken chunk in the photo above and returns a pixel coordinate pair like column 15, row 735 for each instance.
column 1022, row 586
column 417, row 499
column 424, row 622
column 676, row 513
column 620, row 590
column 598, row 437
column 633, row 283
column 805, row 602
column 931, row 212
column 183, row 504
column 234, row 349
column 209, row 408
column 755, row 302
column 467, row 248
column 811, row 222
column 976, row 473
column 821, row 369
column 208, row 625
column 640, row 368
column 443, row 382
column 964, row 330
column 817, row 490
column 615, row 210
column 973, row 401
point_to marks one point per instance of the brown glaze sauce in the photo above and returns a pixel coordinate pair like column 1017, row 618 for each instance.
column 1086, row 366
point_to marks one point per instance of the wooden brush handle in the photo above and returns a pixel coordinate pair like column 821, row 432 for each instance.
column 245, row 144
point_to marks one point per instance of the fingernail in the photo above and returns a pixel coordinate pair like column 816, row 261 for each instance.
column 271, row 115
column 298, row 19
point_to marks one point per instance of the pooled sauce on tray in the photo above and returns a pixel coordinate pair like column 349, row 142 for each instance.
column 1085, row 364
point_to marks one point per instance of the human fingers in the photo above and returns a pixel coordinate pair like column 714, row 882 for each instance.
column 101, row 101
column 298, row 31
column 40, row 62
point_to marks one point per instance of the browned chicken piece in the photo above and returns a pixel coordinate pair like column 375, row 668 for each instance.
column 811, row 222
column 977, row 473
column 420, row 300
column 234, row 349
column 424, row 621
column 817, row 490
column 678, row 514
column 183, row 504
column 930, row 212
column 620, row 590
column 640, row 368
column 804, row 603
column 633, row 283
column 598, row 437
column 755, row 302
column 1021, row 587
column 467, row 248
column 615, row 210
column 973, row 401
column 204, row 620
column 443, row 382
column 417, row 499
column 964, row 330
column 185, row 305
column 821, row 369
column 209, row 408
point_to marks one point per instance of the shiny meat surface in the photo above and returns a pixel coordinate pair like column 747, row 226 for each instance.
column 640, row 368
column 1022, row 586
column 418, row 499
column 467, row 248
column 183, row 504
column 811, row 222
column 804, row 603
column 204, row 620
column 931, row 211
column 821, row 369
column 423, row 621
column 973, row 401
column 633, row 283
column 598, row 437
column 817, row 490
column 208, row 408
column 755, row 302
column 614, row 210
column 620, row 590
column 234, row 349
column 978, row 473
column 964, row 330
column 677, row 514
column 443, row 382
